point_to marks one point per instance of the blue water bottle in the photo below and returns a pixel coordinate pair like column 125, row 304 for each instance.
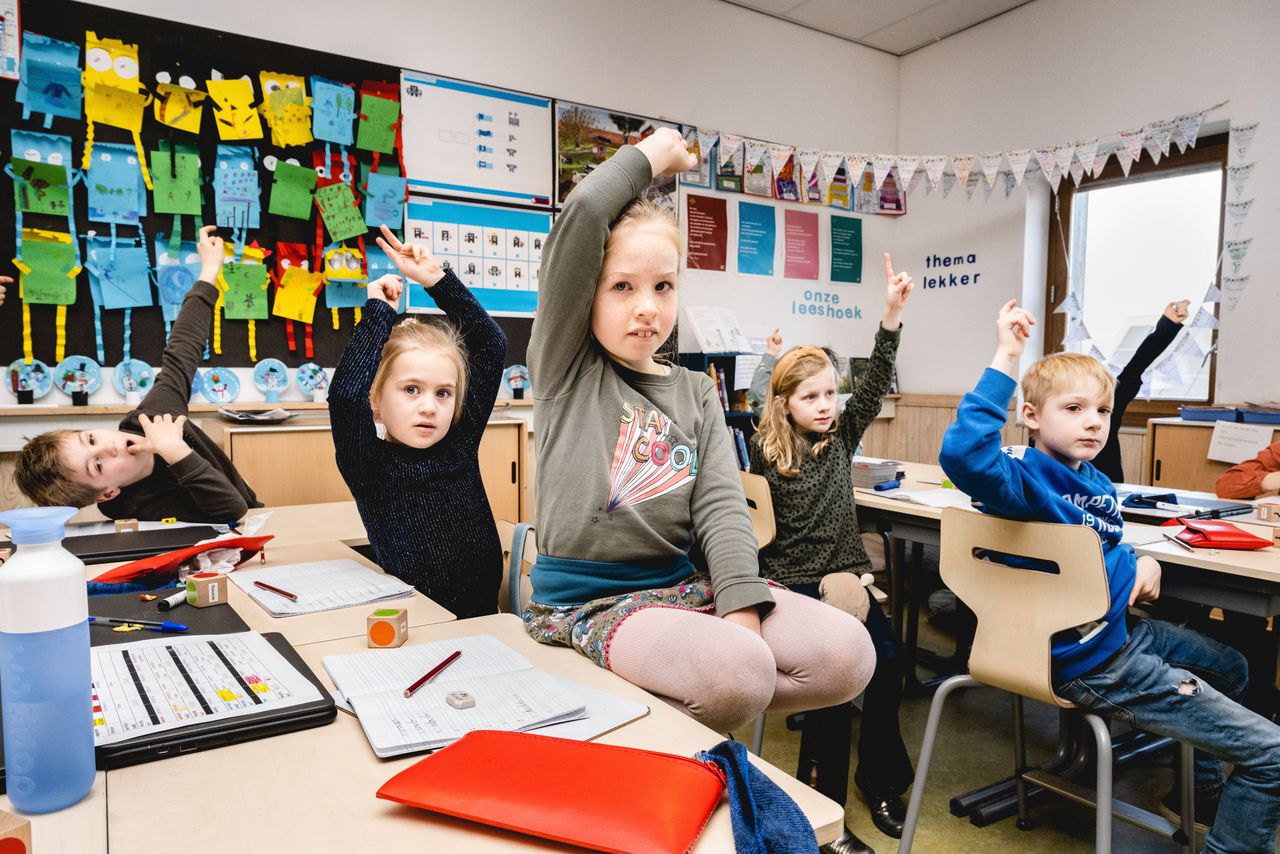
column 45, row 678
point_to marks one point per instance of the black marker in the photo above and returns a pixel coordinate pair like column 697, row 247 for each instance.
column 173, row 601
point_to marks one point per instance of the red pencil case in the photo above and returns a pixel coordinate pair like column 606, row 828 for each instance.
column 161, row 567
column 621, row 799
column 1216, row 534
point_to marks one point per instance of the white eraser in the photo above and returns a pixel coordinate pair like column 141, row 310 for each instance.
column 460, row 700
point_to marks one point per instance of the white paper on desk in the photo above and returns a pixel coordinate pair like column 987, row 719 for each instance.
column 320, row 586
column 151, row 686
column 939, row 498
column 1234, row 443
column 605, row 713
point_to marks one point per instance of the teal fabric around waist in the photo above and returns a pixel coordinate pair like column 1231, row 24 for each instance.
column 561, row 581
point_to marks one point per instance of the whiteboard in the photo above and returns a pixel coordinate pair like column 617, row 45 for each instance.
column 475, row 142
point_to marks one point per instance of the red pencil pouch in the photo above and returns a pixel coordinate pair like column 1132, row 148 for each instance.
column 1216, row 534
column 622, row 799
column 164, row 566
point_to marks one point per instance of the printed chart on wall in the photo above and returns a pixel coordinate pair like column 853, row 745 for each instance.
column 475, row 142
column 497, row 252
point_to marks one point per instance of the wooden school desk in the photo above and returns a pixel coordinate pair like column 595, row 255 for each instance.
column 314, row 790
column 335, row 521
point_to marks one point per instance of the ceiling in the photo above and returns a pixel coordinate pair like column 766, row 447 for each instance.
column 894, row 26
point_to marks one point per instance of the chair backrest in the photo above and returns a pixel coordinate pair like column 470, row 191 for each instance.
column 1019, row 610
column 759, row 507
column 519, row 548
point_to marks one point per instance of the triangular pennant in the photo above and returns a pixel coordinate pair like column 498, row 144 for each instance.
column 1239, row 176
column 1237, row 249
column 813, row 176
column 1077, row 171
column 1203, row 320
column 989, row 163
column 856, row 164
column 1099, row 163
column 1054, row 178
column 962, row 164
column 1155, row 139
column 948, row 182
column 779, row 155
column 831, row 161
column 1213, row 294
column 1189, row 348
column 1097, row 354
column 1069, row 306
column 907, row 166
column 757, row 151
column 1087, row 152
column 1233, row 288
column 880, row 166
column 1242, row 138
column 1044, row 156
column 1185, row 130
column 1125, row 159
column 730, row 150
column 1168, row 371
column 1018, row 163
column 1062, row 156
column 934, row 165
column 1237, row 212
column 1131, row 142
column 1076, row 333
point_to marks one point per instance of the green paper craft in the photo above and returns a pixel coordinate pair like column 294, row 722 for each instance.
column 339, row 211
column 291, row 191
column 49, row 261
column 42, row 187
column 377, row 127
column 246, row 294
column 180, row 193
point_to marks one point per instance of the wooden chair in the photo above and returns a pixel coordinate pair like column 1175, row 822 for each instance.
column 760, row 509
column 519, row 548
column 1019, row 610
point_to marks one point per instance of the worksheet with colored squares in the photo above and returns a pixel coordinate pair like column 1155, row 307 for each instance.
column 173, row 681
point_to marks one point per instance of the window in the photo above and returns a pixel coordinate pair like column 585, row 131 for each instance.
column 1129, row 247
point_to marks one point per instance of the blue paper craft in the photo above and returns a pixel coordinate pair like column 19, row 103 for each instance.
column 384, row 201
column 174, row 274
column 35, row 378
column 54, row 149
column 118, row 275
column 117, row 193
column 237, row 194
column 311, row 378
column 219, row 385
column 271, row 376
column 132, row 375
column 343, row 294
column 77, row 373
column 333, row 111
column 50, row 78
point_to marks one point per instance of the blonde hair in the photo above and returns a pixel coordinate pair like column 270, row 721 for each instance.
column 437, row 336
column 1057, row 372
column 646, row 212
column 781, row 443
column 42, row 474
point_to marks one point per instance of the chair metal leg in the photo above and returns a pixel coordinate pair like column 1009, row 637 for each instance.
column 926, row 753
column 1102, row 757
column 1020, row 763
column 1187, row 772
column 757, row 737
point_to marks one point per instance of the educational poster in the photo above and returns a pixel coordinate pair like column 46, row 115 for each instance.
column 846, row 249
column 757, row 235
column 708, row 237
column 800, row 244
column 10, row 39
column 497, row 252
column 476, row 142
column 588, row 136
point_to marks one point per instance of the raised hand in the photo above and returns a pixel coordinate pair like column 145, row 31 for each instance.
column 897, row 291
column 1178, row 311
column 4, row 280
column 667, row 151
column 1013, row 328
column 212, row 253
column 412, row 259
column 386, row 289
column 774, row 347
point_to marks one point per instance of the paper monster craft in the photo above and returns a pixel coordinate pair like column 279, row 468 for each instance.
column 113, row 95
column 178, row 104
column 114, row 180
column 48, row 266
column 234, row 113
column 379, row 127
column 344, row 278
column 293, row 276
column 286, row 108
column 119, row 278
column 43, row 178
column 49, row 78
column 176, row 270
column 237, row 195
column 243, row 283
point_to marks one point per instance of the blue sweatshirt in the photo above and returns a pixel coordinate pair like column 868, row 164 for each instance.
column 1025, row 483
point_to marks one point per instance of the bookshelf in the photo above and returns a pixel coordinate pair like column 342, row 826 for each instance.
column 738, row 416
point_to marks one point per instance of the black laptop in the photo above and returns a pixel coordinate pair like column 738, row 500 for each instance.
column 211, row 734
column 131, row 545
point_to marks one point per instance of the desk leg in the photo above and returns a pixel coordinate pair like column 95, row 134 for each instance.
column 895, row 554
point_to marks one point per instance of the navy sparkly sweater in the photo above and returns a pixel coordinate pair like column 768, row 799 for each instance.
column 425, row 510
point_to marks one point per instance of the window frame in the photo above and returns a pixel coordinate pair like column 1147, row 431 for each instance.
column 1208, row 150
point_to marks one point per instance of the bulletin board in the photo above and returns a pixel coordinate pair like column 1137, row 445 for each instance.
column 183, row 51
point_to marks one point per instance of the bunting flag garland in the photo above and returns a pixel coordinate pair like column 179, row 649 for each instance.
column 1076, row 332
column 1087, row 153
column 1186, row 129
column 1237, row 249
column 934, row 164
column 1062, row 157
column 1099, row 163
column 1155, row 139
column 1044, row 156
column 1069, row 306
column 1237, row 212
column 1239, row 176
column 1077, row 171
column 1213, row 294
column 907, row 166
column 1233, row 288
column 1018, row 160
column 880, row 166
column 990, row 165
column 1125, row 159
column 1242, row 138
column 1203, row 320
column 1131, row 143
column 962, row 163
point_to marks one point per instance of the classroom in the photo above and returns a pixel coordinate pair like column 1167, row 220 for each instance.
column 938, row 328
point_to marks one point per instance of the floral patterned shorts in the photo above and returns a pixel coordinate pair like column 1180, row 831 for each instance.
column 589, row 627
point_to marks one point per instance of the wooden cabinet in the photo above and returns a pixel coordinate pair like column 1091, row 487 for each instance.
column 1177, row 454
column 293, row 463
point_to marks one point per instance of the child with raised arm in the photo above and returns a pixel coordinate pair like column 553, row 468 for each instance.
column 1157, row 676
column 431, row 387
column 634, row 462
column 156, row 464
column 803, row 448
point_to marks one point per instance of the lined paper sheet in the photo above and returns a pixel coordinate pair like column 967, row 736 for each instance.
column 510, row 694
column 320, row 586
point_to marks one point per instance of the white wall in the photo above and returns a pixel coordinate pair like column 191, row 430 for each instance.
column 1060, row 70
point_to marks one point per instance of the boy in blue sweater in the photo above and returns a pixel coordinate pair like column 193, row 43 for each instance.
column 1157, row 676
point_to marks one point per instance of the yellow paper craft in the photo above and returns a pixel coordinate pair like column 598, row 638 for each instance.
column 179, row 107
column 297, row 294
column 286, row 107
column 112, row 93
column 234, row 113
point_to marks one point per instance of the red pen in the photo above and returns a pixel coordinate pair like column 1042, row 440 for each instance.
column 285, row 593
column 433, row 672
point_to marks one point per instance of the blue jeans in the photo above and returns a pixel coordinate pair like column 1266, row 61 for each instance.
column 1179, row 683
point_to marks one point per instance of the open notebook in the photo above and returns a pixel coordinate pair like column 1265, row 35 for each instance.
column 510, row 694
column 321, row 586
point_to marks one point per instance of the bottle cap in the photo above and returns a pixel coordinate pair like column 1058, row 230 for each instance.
column 33, row 525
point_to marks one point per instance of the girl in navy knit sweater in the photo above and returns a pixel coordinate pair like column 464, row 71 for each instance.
column 431, row 386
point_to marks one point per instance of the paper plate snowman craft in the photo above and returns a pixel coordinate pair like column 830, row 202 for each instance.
column 132, row 376
column 35, row 378
column 77, row 375
column 270, row 376
column 220, row 385
column 516, row 378
column 312, row 379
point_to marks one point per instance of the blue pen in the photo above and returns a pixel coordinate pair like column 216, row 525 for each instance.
column 153, row 625
column 887, row 485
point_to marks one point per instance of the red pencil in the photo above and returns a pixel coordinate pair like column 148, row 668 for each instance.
column 285, row 593
column 433, row 672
